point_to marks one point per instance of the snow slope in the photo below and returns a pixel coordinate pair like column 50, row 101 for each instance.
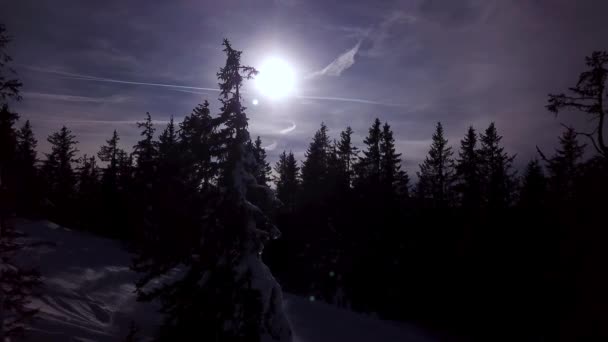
column 88, row 296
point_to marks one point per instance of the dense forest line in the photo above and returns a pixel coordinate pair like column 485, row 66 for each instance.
column 471, row 246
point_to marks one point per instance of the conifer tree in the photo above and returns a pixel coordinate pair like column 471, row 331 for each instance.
column 497, row 178
column 436, row 173
column 390, row 161
column 28, row 196
column 468, row 171
column 16, row 283
column 369, row 165
column 145, row 151
column 315, row 169
column 110, row 154
column 115, row 181
column 88, row 193
column 225, row 292
column 197, row 139
column 347, row 156
column 286, row 180
column 262, row 168
column 60, row 175
column 564, row 167
column 533, row 190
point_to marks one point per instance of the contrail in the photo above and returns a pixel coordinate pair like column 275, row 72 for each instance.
column 110, row 80
column 288, row 129
column 84, row 77
column 347, row 99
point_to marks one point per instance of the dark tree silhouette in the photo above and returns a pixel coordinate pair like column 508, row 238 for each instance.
column 534, row 186
column 436, row 174
column 263, row 169
column 197, row 140
column 347, row 156
column 9, row 87
column 564, row 167
column 114, row 187
column 468, row 171
column 29, row 197
column 225, row 293
column 146, row 150
column 16, row 283
column 315, row 167
column 390, row 162
column 368, row 168
column 588, row 96
column 286, row 181
column 60, row 175
column 497, row 177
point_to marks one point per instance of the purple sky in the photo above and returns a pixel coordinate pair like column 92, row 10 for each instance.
column 411, row 63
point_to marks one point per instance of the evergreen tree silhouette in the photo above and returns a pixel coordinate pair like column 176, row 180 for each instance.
column 197, row 137
column 564, row 167
column 9, row 86
column 145, row 151
column 497, row 178
column 88, row 193
column 29, row 197
column 347, row 156
column 534, row 187
column 468, row 171
column 315, row 169
column 262, row 170
column 368, row 168
column 110, row 154
column 114, row 183
column 436, row 174
column 60, row 175
column 16, row 282
column 390, row 162
column 223, row 293
column 286, row 181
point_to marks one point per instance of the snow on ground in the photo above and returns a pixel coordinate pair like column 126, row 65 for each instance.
column 88, row 295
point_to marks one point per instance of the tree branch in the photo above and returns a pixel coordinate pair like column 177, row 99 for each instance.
column 588, row 135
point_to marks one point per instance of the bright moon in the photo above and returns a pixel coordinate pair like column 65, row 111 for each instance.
column 276, row 79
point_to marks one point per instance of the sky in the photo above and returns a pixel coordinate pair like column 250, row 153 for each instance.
column 97, row 66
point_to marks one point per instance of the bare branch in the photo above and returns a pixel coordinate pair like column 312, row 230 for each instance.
column 542, row 155
column 588, row 135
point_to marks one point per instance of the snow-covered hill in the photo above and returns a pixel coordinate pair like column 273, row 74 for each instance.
column 88, row 296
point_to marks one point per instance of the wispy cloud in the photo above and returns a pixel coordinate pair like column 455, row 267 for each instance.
column 288, row 129
column 340, row 64
column 73, row 98
column 377, row 37
column 271, row 146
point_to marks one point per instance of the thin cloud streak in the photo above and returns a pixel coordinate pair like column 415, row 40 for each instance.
column 110, row 80
column 288, row 129
column 271, row 146
column 73, row 98
column 347, row 99
column 101, row 122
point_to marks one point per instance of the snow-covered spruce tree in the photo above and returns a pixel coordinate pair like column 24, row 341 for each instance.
column 16, row 283
column 223, row 290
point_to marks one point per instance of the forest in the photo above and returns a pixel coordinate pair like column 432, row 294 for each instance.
column 464, row 244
